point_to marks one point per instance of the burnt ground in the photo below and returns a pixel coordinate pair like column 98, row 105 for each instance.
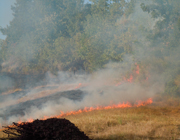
column 19, row 94
column 50, row 129
column 18, row 109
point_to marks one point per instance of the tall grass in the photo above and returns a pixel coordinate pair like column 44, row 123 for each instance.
column 160, row 121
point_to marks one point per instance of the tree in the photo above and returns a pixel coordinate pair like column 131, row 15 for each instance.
column 52, row 35
column 36, row 25
column 165, row 41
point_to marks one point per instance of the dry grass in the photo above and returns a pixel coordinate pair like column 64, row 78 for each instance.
column 160, row 121
column 141, row 123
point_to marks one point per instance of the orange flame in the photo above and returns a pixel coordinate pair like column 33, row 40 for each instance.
column 130, row 79
column 80, row 84
column 137, row 69
column 120, row 105
column 89, row 109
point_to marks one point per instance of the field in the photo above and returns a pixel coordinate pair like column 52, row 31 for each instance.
column 158, row 121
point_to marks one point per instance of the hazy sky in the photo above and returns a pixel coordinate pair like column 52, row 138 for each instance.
column 6, row 13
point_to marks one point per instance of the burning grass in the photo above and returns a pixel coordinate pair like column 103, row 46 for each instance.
column 160, row 120
column 146, row 123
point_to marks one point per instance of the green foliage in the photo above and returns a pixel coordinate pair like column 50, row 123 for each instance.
column 64, row 35
column 54, row 35
column 172, row 89
column 164, row 41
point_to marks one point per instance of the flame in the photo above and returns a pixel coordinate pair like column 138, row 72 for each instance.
column 78, row 86
column 65, row 87
column 130, row 79
column 144, row 103
column 120, row 105
column 89, row 109
column 137, row 69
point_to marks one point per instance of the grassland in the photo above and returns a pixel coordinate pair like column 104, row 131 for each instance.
column 158, row 121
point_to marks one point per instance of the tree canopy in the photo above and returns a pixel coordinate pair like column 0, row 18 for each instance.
column 61, row 35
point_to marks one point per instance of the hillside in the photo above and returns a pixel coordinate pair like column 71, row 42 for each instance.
column 159, row 121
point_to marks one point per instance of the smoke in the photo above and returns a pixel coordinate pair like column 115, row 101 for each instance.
column 105, row 86
column 6, row 82
column 99, row 89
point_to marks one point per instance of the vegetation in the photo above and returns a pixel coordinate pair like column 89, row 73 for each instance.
column 157, row 121
column 61, row 35
column 164, row 42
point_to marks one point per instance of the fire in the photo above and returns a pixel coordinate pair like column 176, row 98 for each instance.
column 144, row 103
column 80, row 84
column 137, row 69
column 120, row 105
column 129, row 80
column 89, row 109
column 65, row 87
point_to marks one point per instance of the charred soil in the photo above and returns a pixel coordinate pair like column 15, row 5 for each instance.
column 50, row 129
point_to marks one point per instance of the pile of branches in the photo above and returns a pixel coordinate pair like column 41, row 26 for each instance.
column 50, row 129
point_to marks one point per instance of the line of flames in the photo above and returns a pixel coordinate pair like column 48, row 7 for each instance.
column 89, row 109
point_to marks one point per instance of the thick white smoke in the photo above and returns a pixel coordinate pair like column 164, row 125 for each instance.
column 100, row 87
